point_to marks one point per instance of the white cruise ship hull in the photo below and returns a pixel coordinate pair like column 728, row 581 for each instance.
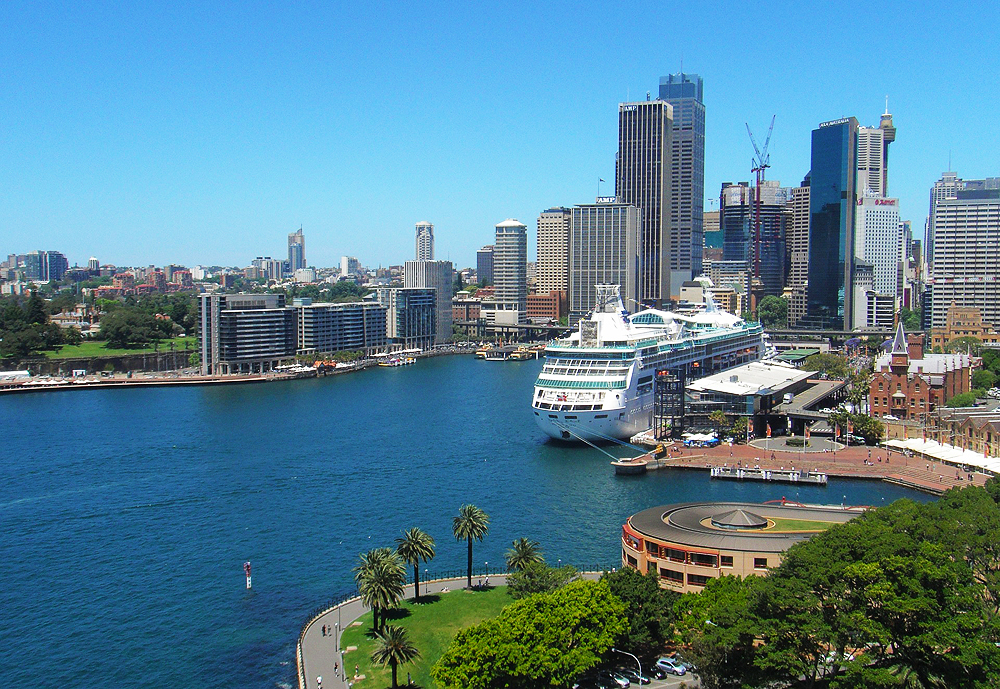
column 597, row 426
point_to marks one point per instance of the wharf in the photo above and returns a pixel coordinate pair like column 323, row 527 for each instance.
column 779, row 476
column 508, row 353
column 13, row 387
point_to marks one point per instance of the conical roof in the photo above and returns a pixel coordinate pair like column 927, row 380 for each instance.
column 739, row 519
column 899, row 341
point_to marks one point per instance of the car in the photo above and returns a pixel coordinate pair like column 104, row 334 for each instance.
column 633, row 676
column 658, row 672
column 671, row 666
column 614, row 679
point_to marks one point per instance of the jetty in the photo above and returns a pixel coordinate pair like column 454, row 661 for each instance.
column 770, row 475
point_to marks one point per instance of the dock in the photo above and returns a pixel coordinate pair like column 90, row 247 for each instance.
column 508, row 353
column 771, row 475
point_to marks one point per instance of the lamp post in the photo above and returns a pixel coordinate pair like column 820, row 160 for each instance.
column 617, row 650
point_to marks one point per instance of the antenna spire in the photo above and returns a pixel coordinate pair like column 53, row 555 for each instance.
column 886, row 105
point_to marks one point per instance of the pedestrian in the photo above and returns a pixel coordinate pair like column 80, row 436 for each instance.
column 336, row 668
column 356, row 670
column 319, row 682
column 324, row 630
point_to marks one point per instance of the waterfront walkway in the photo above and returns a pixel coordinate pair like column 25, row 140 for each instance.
column 851, row 462
column 316, row 653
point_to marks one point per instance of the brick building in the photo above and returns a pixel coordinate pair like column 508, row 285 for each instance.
column 963, row 321
column 909, row 384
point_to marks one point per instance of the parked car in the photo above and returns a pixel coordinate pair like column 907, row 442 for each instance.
column 671, row 666
column 614, row 679
column 633, row 676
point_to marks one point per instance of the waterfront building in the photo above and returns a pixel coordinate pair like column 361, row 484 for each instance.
column 832, row 201
column 966, row 262
column 244, row 333
column 465, row 308
column 296, row 251
column 643, row 179
column 327, row 328
column 747, row 390
column 685, row 94
column 484, row 265
column 910, row 384
column 424, row 242
column 687, row 545
column 963, row 322
column 436, row 275
column 552, row 273
column 509, row 304
column 410, row 316
column 604, row 249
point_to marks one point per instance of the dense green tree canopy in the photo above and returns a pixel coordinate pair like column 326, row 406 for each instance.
column 537, row 577
column 547, row 640
column 833, row 365
column 649, row 608
column 772, row 312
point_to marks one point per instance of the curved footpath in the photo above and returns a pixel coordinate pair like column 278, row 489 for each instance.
column 316, row 654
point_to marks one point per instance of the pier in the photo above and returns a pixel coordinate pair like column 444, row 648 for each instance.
column 776, row 476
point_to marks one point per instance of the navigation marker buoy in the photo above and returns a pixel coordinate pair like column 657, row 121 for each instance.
column 246, row 570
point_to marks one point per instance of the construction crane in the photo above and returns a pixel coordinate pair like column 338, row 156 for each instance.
column 760, row 162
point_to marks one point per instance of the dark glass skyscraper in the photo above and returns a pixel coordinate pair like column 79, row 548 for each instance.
column 685, row 94
column 832, row 202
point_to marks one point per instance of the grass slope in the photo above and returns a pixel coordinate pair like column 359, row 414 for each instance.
column 798, row 525
column 96, row 348
column 431, row 627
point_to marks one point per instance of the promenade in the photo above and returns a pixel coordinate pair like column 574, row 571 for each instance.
column 316, row 653
column 850, row 462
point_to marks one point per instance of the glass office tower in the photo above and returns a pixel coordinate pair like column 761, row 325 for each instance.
column 832, row 203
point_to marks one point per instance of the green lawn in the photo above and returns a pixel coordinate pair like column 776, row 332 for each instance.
column 431, row 627
column 798, row 525
column 96, row 348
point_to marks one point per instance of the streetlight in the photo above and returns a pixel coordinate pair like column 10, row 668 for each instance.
column 616, row 650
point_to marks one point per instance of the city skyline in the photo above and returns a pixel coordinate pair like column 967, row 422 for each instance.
column 194, row 135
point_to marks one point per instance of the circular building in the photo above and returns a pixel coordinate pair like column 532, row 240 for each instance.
column 689, row 543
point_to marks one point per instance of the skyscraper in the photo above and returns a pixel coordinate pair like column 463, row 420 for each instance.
column 603, row 250
column 738, row 214
column 797, row 248
column 425, row 242
column 642, row 179
column 484, row 264
column 685, row 94
column 553, row 250
column 296, row 251
column 832, row 201
column 509, row 304
column 436, row 275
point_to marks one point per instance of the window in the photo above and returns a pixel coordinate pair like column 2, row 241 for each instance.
column 727, row 560
column 704, row 560
column 652, row 548
column 672, row 575
column 760, row 563
column 697, row 580
column 675, row 555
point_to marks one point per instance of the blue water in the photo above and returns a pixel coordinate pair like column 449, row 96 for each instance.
column 126, row 515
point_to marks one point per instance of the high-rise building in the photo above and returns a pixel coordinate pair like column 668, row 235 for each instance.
column 296, row 251
column 410, row 316
column 44, row 266
column 268, row 268
column 877, row 241
column 93, row 265
column 424, row 242
column 349, row 265
column 967, row 253
column 832, row 200
column 888, row 136
column 244, row 333
column 484, row 264
column 436, row 275
column 509, row 304
column 325, row 328
column 603, row 250
column 872, row 147
column 738, row 217
column 948, row 187
column 643, row 179
column 797, row 248
column 685, row 93
column 552, row 271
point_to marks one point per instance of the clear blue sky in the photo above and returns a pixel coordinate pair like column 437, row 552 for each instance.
column 156, row 132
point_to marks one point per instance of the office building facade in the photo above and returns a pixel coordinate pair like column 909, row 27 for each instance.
column 484, row 265
column 44, row 266
column 643, row 179
column 685, row 94
column 509, row 304
column 424, row 250
column 552, row 271
column 296, row 251
column 832, row 202
column 738, row 216
column 877, row 241
column 245, row 333
column 436, row 275
column 797, row 248
column 604, row 249
column 328, row 328
column 410, row 316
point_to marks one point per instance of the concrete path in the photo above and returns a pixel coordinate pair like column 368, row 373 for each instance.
column 317, row 653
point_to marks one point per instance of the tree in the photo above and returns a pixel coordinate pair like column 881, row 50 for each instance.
column 832, row 365
column 773, row 312
column 471, row 523
column 984, row 380
column 414, row 546
column 523, row 552
column 380, row 577
column 719, row 418
column 393, row 648
column 129, row 327
column 739, row 428
column 966, row 344
column 538, row 577
column 911, row 319
column 544, row 640
column 35, row 311
column 965, row 399
column 649, row 608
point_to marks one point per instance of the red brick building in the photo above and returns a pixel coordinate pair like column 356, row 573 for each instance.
column 551, row 305
column 909, row 384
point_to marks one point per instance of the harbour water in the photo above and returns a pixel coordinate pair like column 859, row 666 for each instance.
column 126, row 515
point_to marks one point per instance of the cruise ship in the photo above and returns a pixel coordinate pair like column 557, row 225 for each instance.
column 597, row 383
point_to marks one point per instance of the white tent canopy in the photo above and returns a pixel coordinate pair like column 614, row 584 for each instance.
column 947, row 453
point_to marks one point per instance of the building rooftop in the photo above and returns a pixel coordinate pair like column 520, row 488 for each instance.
column 756, row 378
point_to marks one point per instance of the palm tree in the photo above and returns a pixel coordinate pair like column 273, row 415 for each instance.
column 393, row 648
column 522, row 553
column 414, row 546
column 380, row 576
column 471, row 523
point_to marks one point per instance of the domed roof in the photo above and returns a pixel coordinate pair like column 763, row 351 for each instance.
column 738, row 519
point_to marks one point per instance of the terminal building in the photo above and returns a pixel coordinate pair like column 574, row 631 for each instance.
column 689, row 544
